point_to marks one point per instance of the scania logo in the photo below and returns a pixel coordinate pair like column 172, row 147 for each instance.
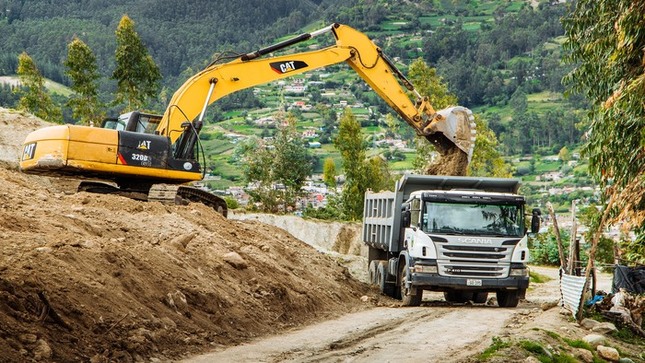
column 476, row 241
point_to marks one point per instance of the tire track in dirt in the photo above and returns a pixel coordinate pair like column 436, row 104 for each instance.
column 428, row 333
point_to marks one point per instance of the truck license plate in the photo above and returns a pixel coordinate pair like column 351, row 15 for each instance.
column 473, row 282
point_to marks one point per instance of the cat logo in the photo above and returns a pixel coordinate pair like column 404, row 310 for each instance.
column 288, row 66
column 144, row 145
column 28, row 151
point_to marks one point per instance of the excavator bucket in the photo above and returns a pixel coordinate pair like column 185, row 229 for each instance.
column 454, row 126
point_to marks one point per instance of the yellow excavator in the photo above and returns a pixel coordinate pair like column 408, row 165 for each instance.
column 153, row 157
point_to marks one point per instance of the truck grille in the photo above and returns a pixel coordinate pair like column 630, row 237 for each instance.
column 473, row 261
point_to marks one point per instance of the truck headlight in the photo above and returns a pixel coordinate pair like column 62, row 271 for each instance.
column 519, row 272
column 425, row 269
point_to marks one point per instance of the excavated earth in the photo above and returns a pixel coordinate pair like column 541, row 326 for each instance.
column 100, row 278
column 87, row 277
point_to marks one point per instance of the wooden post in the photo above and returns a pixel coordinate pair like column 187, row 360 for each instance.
column 573, row 243
column 557, row 236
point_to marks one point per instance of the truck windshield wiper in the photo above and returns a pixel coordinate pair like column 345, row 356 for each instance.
column 451, row 231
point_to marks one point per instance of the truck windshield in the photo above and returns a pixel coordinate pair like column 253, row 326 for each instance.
column 473, row 219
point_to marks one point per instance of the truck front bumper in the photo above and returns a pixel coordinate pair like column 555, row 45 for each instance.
column 440, row 283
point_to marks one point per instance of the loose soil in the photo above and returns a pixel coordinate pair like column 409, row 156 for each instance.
column 452, row 161
column 87, row 277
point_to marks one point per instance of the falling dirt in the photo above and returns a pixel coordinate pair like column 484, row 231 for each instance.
column 87, row 277
column 452, row 161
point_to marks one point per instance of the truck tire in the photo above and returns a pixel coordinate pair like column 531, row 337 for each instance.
column 456, row 296
column 388, row 289
column 480, row 297
column 407, row 298
column 508, row 298
column 372, row 270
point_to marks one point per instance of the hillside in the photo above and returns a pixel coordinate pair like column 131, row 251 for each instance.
column 103, row 278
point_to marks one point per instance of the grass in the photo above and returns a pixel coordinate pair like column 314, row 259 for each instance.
column 545, row 356
column 497, row 345
column 538, row 278
column 533, row 347
column 578, row 343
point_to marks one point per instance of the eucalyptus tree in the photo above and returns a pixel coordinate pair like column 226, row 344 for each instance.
column 83, row 71
column 137, row 75
column 605, row 42
column 34, row 97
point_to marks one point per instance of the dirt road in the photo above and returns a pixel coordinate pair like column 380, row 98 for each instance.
column 434, row 332
column 381, row 334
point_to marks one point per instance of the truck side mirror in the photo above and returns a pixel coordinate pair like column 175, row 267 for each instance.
column 406, row 218
column 535, row 220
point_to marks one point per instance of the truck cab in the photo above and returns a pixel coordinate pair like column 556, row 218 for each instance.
column 463, row 236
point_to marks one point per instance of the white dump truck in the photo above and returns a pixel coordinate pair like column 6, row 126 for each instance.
column 464, row 236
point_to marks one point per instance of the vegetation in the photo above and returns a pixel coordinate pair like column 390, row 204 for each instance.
column 500, row 58
column 278, row 169
column 605, row 42
column 352, row 148
column 82, row 70
column 33, row 96
column 136, row 73
column 538, row 278
column 497, row 345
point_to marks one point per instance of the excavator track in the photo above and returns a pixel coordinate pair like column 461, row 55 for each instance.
column 164, row 193
column 183, row 194
column 101, row 187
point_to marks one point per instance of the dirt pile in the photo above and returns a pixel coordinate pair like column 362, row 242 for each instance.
column 14, row 127
column 86, row 277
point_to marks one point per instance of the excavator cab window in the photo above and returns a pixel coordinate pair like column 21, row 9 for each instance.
column 142, row 123
column 147, row 124
column 113, row 124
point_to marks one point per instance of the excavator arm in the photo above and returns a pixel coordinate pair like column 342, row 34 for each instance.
column 446, row 128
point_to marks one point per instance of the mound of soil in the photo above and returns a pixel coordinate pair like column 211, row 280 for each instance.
column 14, row 127
column 87, row 277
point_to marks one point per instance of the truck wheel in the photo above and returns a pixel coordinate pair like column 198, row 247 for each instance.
column 508, row 299
column 386, row 288
column 406, row 294
column 457, row 296
column 372, row 270
column 480, row 297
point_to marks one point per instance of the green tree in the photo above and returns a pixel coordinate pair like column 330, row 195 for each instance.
column 564, row 155
column 378, row 176
column 605, row 42
column 428, row 83
column 136, row 73
column 278, row 169
column 329, row 172
column 33, row 95
column 352, row 147
column 82, row 70
column 487, row 159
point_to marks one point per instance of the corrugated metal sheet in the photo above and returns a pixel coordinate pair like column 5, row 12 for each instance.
column 571, row 289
